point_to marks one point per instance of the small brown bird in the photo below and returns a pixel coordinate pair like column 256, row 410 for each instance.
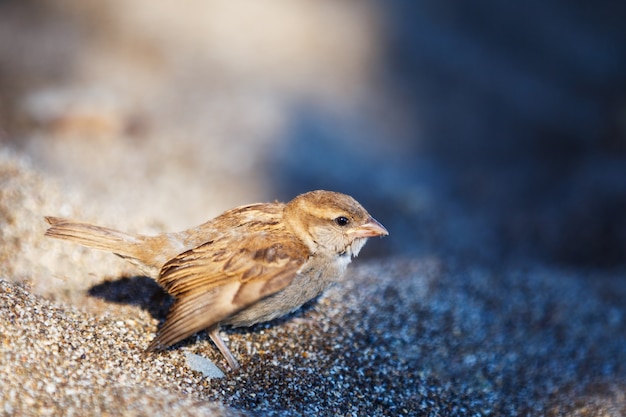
column 249, row 265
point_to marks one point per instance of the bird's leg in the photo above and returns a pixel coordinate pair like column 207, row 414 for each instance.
column 214, row 334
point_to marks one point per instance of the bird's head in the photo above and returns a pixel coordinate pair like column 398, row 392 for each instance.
column 333, row 222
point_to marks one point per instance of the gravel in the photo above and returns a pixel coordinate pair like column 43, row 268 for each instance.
column 401, row 337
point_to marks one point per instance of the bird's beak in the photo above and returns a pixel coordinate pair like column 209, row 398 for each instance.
column 370, row 229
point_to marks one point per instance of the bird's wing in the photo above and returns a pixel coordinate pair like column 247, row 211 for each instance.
column 219, row 278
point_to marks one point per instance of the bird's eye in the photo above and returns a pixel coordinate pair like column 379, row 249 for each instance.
column 342, row 221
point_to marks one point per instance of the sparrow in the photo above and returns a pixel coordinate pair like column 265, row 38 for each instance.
column 251, row 264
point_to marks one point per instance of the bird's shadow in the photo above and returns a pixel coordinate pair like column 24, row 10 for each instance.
column 139, row 291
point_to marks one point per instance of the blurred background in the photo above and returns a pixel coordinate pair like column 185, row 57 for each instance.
column 483, row 131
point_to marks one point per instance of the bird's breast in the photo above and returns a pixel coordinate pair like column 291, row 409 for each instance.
column 312, row 279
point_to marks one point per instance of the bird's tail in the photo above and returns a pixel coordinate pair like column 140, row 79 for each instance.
column 97, row 237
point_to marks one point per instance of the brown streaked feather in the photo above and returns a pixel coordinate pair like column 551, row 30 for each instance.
column 210, row 287
column 193, row 313
column 254, row 256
